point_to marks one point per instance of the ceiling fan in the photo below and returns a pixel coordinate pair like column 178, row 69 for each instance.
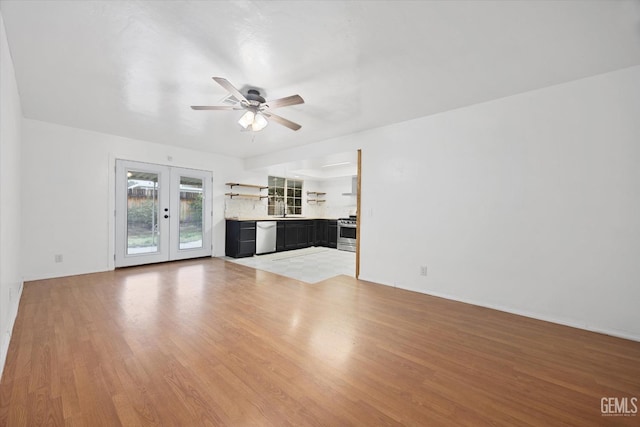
column 257, row 108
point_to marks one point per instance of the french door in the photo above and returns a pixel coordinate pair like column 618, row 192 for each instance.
column 163, row 213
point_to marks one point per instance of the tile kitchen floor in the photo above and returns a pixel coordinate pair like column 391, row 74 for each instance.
column 309, row 265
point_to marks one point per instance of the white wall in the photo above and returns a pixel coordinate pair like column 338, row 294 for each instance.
column 337, row 205
column 10, row 191
column 68, row 186
column 529, row 204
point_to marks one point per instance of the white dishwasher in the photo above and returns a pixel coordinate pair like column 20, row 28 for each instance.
column 266, row 236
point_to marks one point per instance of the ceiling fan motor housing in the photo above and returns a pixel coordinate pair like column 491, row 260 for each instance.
column 254, row 95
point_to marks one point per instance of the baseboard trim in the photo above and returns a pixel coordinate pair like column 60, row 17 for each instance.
column 537, row 316
column 532, row 315
column 57, row 276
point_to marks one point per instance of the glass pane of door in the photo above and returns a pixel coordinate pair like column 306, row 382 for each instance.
column 142, row 212
column 191, row 213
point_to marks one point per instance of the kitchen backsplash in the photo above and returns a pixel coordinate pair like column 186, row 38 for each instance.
column 328, row 210
column 248, row 208
column 341, row 211
column 245, row 208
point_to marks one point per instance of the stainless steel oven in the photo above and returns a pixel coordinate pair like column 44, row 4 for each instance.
column 347, row 234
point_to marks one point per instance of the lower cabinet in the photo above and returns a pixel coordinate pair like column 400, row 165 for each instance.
column 291, row 234
column 327, row 233
column 296, row 234
column 240, row 238
column 332, row 233
column 310, row 227
column 280, row 237
column 322, row 232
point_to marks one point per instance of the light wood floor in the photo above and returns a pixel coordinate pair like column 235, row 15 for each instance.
column 209, row 342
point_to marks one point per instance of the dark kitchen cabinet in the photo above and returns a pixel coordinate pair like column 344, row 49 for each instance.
column 322, row 232
column 280, row 237
column 310, row 239
column 290, row 234
column 326, row 233
column 240, row 238
column 296, row 234
column 332, row 233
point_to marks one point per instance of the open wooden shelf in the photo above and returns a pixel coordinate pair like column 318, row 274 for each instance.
column 237, row 184
column 247, row 196
column 318, row 194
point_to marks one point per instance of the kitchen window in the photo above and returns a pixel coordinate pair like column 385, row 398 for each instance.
column 285, row 196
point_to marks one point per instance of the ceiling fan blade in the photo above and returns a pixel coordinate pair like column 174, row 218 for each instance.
column 216, row 107
column 284, row 102
column 281, row 120
column 228, row 86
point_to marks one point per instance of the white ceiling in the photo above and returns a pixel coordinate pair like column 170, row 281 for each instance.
column 329, row 166
column 133, row 68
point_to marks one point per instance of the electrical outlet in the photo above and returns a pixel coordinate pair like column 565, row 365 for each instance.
column 423, row 270
column 57, row 257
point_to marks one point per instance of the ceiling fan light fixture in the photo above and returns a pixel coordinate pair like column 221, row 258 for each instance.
column 259, row 122
column 247, row 119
